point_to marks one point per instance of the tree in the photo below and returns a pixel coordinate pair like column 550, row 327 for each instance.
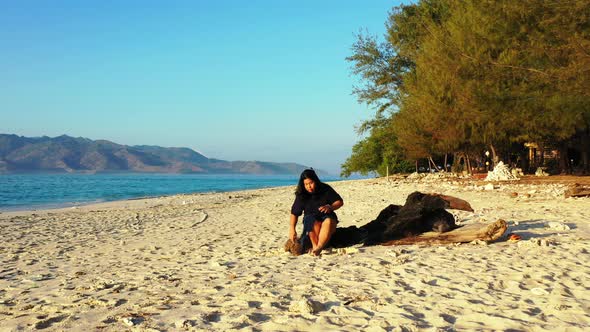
column 378, row 152
column 462, row 76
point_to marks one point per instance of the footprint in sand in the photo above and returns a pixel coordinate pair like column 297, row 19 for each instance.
column 45, row 323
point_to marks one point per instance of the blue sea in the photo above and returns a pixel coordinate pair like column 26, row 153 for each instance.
column 42, row 191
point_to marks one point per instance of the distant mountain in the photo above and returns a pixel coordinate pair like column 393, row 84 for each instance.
column 69, row 154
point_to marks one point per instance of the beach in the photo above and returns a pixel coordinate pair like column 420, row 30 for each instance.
column 216, row 262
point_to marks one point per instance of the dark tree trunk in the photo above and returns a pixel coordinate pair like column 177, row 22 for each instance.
column 456, row 162
column 564, row 162
column 541, row 155
column 524, row 160
column 585, row 150
column 430, row 161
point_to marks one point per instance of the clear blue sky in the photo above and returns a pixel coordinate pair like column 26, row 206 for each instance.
column 234, row 80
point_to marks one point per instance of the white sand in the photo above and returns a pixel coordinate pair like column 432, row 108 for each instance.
column 215, row 262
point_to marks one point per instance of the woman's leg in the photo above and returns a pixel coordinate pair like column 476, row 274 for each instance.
column 314, row 234
column 327, row 229
column 305, row 239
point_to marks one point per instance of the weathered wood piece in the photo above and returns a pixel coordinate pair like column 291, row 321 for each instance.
column 485, row 232
column 577, row 191
column 422, row 219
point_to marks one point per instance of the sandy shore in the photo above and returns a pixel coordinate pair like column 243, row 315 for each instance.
column 215, row 262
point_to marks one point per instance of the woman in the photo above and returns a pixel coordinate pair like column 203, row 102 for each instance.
column 318, row 201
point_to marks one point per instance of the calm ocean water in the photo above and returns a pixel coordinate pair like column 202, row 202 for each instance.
column 36, row 191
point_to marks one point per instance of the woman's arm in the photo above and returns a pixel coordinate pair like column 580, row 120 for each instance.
column 292, row 223
column 331, row 207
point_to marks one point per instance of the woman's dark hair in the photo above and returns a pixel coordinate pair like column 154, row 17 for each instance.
column 306, row 174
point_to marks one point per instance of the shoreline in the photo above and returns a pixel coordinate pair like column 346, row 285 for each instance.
column 105, row 203
column 73, row 203
column 216, row 262
column 127, row 202
column 40, row 208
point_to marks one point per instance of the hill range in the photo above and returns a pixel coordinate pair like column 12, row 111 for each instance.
column 61, row 154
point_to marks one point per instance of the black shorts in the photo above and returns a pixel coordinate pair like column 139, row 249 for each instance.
column 321, row 217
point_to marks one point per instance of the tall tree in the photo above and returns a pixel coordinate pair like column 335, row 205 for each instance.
column 379, row 152
column 460, row 75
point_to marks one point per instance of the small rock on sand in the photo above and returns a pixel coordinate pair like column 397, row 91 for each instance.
column 186, row 324
column 536, row 242
column 304, row 306
column 556, row 225
column 132, row 320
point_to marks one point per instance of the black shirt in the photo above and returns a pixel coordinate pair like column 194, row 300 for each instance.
column 310, row 203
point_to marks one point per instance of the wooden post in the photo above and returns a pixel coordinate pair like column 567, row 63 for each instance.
column 431, row 161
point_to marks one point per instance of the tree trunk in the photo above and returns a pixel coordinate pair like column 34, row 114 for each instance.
column 524, row 159
column 563, row 158
column 494, row 156
column 541, row 155
column 458, row 158
column 456, row 162
column 445, row 165
column 585, row 150
column 430, row 161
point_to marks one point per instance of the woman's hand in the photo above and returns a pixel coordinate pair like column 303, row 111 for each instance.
column 292, row 234
column 292, row 224
column 326, row 208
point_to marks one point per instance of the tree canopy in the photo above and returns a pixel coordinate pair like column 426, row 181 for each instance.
column 458, row 76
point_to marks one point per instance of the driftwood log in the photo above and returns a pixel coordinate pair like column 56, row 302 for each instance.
column 487, row 232
column 577, row 190
column 422, row 219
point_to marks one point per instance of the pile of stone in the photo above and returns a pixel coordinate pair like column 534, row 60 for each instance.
column 416, row 176
column 434, row 177
column 501, row 173
column 541, row 172
column 441, row 176
column 517, row 172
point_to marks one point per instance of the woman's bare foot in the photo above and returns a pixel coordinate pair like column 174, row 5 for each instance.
column 316, row 251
